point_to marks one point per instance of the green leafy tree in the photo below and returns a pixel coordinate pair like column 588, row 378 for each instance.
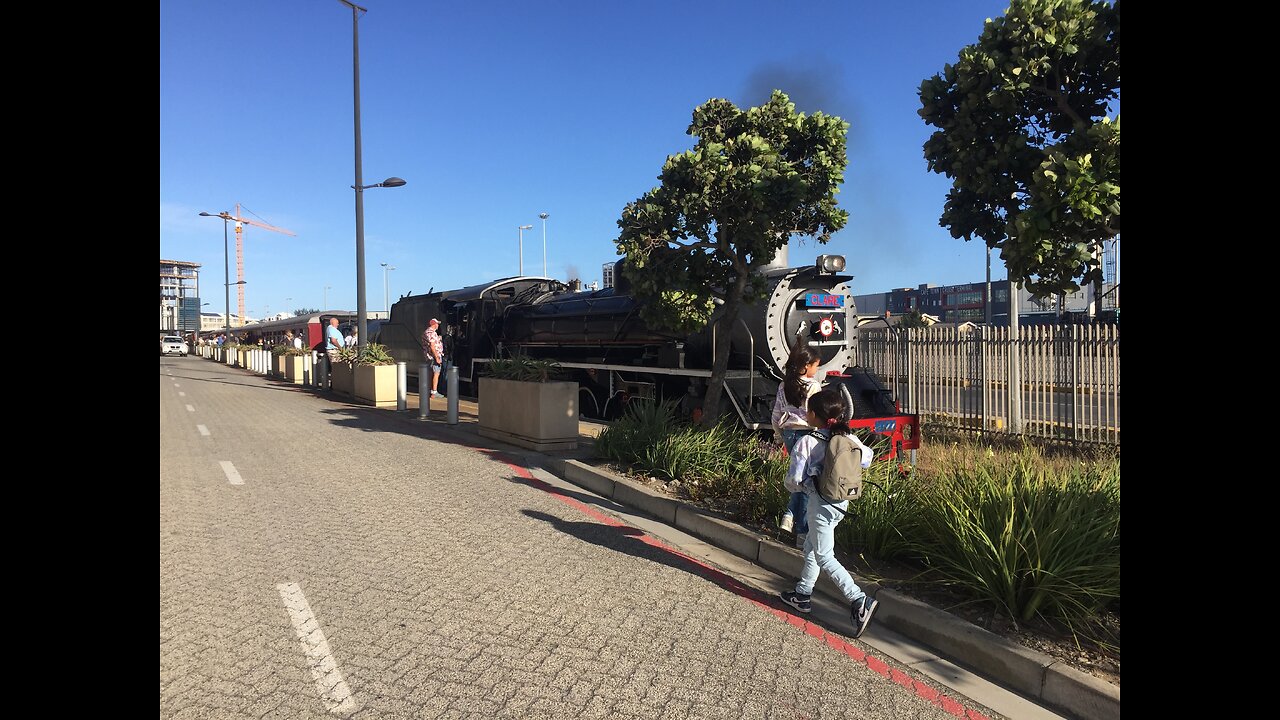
column 724, row 209
column 1023, row 133
column 913, row 319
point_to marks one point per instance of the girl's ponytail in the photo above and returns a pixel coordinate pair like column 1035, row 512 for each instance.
column 802, row 355
column 831, row 411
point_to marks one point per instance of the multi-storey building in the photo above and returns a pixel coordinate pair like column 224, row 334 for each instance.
column 179, row 297
column 955, row 304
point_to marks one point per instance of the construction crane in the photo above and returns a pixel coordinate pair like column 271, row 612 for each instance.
column 241, row 221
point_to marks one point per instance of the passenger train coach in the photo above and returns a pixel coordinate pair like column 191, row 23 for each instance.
column 309, row 327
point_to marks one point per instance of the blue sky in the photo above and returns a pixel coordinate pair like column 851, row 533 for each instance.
column 494, row 112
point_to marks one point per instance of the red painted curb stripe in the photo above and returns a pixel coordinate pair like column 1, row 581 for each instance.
column 835, row 642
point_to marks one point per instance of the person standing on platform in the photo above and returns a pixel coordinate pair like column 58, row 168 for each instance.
column 333, row 342
column 433, row 353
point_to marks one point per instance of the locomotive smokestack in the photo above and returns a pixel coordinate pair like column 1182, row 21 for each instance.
column 779, row 261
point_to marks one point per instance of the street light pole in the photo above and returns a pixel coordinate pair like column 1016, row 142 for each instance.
column 386, row 299
column 226, row 267
column 544, row 217
column 359, row 187
column 522, row 229
column 327, row 288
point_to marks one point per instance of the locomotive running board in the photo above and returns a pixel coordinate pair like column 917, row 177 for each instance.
column 730, row 375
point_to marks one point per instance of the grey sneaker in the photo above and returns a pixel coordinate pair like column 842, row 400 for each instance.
column 803, row 603
column 861, row 612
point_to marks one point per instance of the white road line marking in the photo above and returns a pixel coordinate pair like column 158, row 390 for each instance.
column 191, row 408
column 233, row 476
column 203, row 430
column 333, row 689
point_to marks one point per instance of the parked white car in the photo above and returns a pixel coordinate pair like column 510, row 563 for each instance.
column 173, row 345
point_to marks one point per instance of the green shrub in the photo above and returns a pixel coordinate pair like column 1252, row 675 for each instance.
column 750, row 486
column 524, row 369
column 1039, row 540
column 644, row 423
column 374, row 354
column 884, row 516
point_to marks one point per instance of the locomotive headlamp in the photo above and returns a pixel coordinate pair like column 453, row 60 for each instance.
column 830, row 263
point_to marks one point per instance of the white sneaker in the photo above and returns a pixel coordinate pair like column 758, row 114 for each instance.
column 800, row 540
column 787, row 523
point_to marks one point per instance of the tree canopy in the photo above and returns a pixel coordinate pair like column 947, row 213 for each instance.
column 1024, row 134
column 753, row 179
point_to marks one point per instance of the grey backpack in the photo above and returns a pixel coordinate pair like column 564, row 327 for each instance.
column 841, row 475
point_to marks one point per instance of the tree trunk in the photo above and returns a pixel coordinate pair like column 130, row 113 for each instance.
column 723, row 329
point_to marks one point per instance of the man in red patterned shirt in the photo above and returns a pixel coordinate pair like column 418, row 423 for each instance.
column 433, row 353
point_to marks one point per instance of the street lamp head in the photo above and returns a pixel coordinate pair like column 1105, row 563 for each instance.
column 526, row 227
column 544, row 216
column 392, row 182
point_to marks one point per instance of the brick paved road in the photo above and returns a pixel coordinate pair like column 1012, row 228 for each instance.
column 364, row 569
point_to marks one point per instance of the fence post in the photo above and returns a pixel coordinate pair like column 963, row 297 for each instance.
column 911, row 370
column 982, row 377
column 1073, row 353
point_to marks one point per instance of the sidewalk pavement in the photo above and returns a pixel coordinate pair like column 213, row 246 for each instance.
column 1034, row 675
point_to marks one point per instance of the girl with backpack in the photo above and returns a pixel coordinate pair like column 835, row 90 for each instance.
column 790, row 413
column 828, row 414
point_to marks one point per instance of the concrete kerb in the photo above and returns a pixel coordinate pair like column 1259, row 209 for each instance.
column 1021, row 669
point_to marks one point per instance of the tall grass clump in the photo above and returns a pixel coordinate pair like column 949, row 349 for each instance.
column 643, row 424
column 749, row 487
column 721, row 466
column 1040, row 539
column 883, row 518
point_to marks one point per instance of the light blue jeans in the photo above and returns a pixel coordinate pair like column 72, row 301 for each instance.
column 819, row 550
column 797, row 507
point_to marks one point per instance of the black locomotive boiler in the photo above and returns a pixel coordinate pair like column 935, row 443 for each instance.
column 599, row 338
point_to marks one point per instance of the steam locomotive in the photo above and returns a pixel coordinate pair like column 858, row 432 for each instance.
column 599, row 338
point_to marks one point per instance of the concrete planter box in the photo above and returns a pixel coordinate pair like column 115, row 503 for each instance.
column 277, row 365
column 293, row 365
column 538, row 416
column 343, row 380
column 376, row 384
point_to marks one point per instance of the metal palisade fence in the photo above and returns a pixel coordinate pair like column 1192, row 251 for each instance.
column 963, row 378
